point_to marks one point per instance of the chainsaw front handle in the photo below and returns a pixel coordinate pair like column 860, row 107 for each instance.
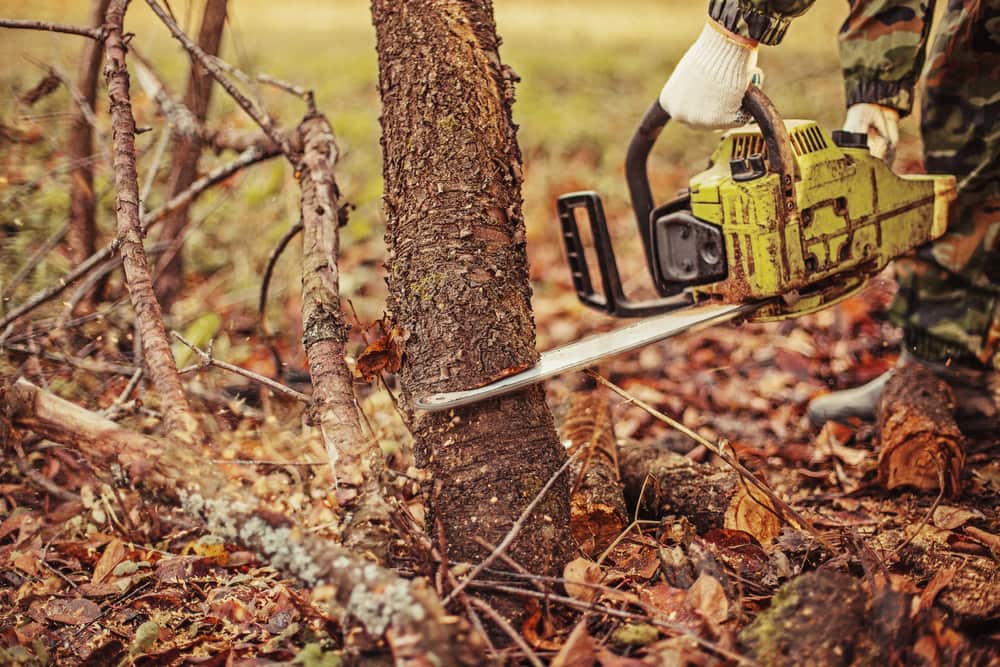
column 779, row 156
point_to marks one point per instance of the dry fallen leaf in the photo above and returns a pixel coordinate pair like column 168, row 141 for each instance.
column 752, row 512
column 950, row 518
column 76, row 611
column 384, row 354
column 113, row 554
column 581, row 575
column 578, row 650
column 708, row 598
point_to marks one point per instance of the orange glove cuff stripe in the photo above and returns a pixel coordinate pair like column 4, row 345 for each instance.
column 745, row 42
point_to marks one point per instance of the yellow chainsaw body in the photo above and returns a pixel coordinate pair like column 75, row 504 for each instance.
column 851, row 216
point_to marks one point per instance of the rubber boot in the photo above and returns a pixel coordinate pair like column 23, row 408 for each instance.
column 858, row 402
column 975, row 392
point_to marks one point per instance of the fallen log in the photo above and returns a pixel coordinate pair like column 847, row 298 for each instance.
column 407, row 614
column 660, row 482
column 922, row 446
column 597, row 506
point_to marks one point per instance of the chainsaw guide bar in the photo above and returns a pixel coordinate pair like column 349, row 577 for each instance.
column 587, row 351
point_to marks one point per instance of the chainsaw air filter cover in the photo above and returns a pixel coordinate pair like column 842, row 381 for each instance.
column 688, row 251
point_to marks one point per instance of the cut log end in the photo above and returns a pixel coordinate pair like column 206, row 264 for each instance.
column 922, row 446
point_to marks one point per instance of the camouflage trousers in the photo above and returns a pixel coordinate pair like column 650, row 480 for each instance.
column 948, row 302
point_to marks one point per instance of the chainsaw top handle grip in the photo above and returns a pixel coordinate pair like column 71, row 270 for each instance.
column 780, row 158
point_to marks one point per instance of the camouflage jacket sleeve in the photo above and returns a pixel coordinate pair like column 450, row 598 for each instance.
column 882, row 49
column 765, row 21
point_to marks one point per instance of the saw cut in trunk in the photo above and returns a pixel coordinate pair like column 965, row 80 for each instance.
column 458, row 279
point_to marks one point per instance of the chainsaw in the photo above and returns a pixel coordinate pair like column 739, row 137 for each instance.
column 786, row 220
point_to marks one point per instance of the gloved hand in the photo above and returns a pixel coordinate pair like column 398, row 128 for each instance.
column 706, row 88
column 880, row 123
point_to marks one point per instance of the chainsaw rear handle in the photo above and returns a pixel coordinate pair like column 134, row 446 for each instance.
column 779, row 157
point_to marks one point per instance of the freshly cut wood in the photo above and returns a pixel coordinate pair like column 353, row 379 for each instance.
column 921, row 443
column 597, row 506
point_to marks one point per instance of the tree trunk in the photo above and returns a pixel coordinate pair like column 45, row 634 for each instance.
column 187, row 149
column 81, row 238
column 458, row 276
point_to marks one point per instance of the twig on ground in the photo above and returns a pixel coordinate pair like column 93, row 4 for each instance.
column 113, row 410
column 206, row 61
column 927, row 517
column 47, row 26
column 208, row 360
column 514, row 530
column 501, row 587
column 785, row 511
column 514, row 635
column 89, row 365
column 37, row 478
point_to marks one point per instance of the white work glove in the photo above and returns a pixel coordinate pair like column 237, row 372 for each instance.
column 706, row 88
column 880, row 123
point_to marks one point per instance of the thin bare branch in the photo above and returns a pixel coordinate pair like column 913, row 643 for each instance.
column 180, row 118
column 258, row 115
column 265, row 282
column 209, row 360
column 179, row 419
column 514, row 635
column 34, row 260
column 47, row 26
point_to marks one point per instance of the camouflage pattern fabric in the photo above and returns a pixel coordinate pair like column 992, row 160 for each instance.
column 949, row 298
column 882, row 47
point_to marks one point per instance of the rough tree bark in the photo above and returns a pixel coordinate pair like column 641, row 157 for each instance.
column 187, row 149
column 81, row 236
column 458, row 277
column 178, row 417
column 355, row 460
